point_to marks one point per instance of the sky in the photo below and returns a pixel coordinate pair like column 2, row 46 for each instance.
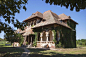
column 39, row 5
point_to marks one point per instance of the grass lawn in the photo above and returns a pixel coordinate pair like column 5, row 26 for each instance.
column 81, row 46
column 10, row 52
column 2, row 44
column 60, row 52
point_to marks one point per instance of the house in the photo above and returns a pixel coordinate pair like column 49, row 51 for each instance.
column 50, row 29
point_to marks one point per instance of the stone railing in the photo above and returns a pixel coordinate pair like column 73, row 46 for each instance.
column 42, row 44
column 51, row 42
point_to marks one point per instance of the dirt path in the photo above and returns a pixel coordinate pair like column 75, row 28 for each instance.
column 26, row 53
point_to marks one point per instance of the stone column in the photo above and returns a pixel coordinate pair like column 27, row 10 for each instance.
column 53, row 34
column 47, row 34
column 33, row 22
column 30, row 24
column 31, row 39
column 28, row 39
column 41, row 34
column 58, row 36
column 36, row 21
column 25, row 40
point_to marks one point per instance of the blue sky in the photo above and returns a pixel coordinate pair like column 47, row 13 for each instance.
column 41, row 6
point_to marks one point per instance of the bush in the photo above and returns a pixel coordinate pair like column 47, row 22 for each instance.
column 80, row 43
column 34, row 43
column 59, row 45
column 26, row 43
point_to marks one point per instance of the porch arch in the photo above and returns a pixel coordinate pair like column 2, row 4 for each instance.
column 50, row 35
column 44, row 36
column 58, row 35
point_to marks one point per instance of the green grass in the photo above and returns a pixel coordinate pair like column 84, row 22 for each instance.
column 81, row 45
column 10, row 52
column 60, row 52
column 2, row 44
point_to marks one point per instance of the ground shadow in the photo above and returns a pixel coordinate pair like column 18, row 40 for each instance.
column 10, row 52
column 52, row 54
column 58, row 55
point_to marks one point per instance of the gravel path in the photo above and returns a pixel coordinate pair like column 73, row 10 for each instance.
column 26, row 53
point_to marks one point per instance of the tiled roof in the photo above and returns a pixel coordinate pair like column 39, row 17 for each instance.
column 51, row 18
column 28, row 31
column 37, row 14
column 22, row 31
column 18, row 31
column 65, row 17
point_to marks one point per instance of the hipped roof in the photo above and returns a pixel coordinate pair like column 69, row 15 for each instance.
column 51, row 18
column 65, row 17
column 37, row 14
column 28, row 31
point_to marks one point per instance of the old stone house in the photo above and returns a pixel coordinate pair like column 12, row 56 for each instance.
column 49, row 29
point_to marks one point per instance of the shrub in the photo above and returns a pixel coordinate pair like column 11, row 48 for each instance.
column 26, row 43
column 34, row 43
column 80, row 43
column 59, row 45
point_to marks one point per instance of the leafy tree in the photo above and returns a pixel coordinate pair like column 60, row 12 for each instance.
column 5, row 39
column 77, row 4
column 8, row 8
column 15, row 38
column 1, row 39
column 81, row 42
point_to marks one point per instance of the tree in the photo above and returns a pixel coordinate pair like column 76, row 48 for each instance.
column 77, row 4
column 15, row 38
column 8, row 8
column 1, row 39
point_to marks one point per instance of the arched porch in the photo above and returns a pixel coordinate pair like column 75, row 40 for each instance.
column 46, row 37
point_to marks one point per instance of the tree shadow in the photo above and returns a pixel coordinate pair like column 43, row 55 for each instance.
column 51, row 54
column 10, row 52
column 37, row 49
column 58, row 55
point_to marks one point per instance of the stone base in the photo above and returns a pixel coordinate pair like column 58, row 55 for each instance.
column 45, row 44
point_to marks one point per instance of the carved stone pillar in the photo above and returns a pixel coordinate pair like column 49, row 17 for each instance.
column 31, row 39
column 33, row 23
column 47, row 34
column 28, row 39
column 36, row 21
column 25, row 40
column 53, row 34
column 58, row 36
column 41, row 34
column 30, row 24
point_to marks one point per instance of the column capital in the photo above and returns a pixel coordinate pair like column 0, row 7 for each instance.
column 41, row 34
column 47, row 33
column 52, row 33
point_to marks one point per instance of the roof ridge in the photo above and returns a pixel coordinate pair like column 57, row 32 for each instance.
column 47, row 11
column 55, row 16
column 52, row 15
column 63, row 14
column 38, row 12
